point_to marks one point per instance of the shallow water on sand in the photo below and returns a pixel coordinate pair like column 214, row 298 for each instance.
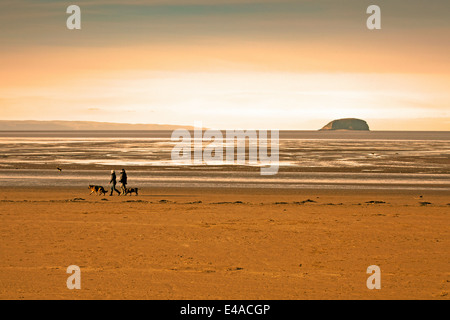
column 308, row 159
column 224, row 179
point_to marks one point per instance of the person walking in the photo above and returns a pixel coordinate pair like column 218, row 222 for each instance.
column 123, row 179
column 113, row 183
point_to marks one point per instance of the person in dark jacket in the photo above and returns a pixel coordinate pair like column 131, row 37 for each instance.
column 123, row 179
column 113, row 183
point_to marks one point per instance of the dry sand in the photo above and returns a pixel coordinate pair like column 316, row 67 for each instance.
column 234, row 244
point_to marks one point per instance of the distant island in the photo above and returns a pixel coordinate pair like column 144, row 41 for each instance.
column 32, row 125
column 347, row 124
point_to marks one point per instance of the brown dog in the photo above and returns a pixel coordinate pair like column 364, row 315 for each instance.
column 99, row 190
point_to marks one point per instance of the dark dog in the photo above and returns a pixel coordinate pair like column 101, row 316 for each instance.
column 99, row 190
column 131, row 190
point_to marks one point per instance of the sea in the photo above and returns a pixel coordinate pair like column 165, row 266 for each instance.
column 408, row 160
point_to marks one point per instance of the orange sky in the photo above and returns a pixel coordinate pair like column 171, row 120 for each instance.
column 245, row 64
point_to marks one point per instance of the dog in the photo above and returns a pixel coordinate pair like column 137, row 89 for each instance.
column 99, row 190
column 131, row 190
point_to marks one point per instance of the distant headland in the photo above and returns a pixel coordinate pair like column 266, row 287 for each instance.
column 31, row 125
column 347, row 124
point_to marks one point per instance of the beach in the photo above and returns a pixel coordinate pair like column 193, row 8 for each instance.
column 339, row 203
column 224, row 243
column 244, row 150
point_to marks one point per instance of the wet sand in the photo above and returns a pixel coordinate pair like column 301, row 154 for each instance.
column 299, row 151
column 224, row 244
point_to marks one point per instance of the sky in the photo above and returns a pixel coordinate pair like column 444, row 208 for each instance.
column 254, row 64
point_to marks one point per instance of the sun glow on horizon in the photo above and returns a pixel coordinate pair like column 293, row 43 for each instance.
column 238, row 64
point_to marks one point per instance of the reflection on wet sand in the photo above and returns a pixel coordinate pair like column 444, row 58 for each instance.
column 414, row 159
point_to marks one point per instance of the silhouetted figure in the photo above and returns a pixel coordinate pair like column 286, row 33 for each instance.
column 113, row 183
column 123, row 179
